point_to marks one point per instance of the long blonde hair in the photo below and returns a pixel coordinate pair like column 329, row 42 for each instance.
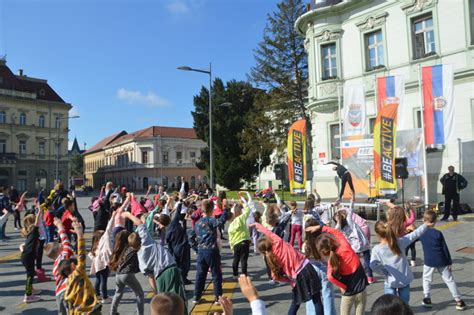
column 385, row 231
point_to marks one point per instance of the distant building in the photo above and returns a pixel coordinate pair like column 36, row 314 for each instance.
column 33, row 132
column 75, row 149
column 353, row 42
column 154, row 155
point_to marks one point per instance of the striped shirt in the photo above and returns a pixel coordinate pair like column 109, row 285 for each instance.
column 66, row 253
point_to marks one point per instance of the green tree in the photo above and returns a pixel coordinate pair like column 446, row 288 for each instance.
column 281, row 68
column 76, row 165
column 232, row 163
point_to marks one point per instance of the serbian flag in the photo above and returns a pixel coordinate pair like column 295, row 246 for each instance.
column 438, row 110
column 385, row 143
column 297, row 157
column 391, row 90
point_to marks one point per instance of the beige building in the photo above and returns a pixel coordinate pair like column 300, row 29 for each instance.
column 33, row 127
column 154, row 155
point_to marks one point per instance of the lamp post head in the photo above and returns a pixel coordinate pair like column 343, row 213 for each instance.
column 185, row 68
column 76, row 116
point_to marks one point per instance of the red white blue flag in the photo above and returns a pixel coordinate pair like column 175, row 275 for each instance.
column 391, row 90
column 438, row 111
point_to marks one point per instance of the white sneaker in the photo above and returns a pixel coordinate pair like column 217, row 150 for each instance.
column 273, row 282
column 16, row 229
column 31, row 298
column 36, row 291
column 106, row 301
column 412, row 263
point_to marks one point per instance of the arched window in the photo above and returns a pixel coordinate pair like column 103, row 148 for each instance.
column 41, row 121
column 22, row 119
column 3, row 117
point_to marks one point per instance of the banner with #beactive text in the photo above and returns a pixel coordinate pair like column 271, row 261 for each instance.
column 297, row 157
column 385, row 136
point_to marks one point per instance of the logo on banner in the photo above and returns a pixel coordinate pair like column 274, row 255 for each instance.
column 439, row 103
column 391, row 100
column 387, row 148
column 298, row 157
column 355, row 114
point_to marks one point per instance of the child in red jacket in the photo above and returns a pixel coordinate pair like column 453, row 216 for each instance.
column 344, row 267
column 289, row 265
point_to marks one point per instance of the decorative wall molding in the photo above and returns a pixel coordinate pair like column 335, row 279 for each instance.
column 328, row 35
column 372, row 21
column 418, row 5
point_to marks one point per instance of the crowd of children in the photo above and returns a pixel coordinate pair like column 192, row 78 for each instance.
column 150, row 236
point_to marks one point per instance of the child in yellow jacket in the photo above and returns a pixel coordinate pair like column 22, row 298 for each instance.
column 80, row 295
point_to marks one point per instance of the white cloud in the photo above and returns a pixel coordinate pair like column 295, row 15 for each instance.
column 177, row 7
column 139, row 98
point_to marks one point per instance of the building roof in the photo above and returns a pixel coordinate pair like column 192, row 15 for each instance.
column 22, row 83
column 75, row 149
column 153, row 131
column 102, row 143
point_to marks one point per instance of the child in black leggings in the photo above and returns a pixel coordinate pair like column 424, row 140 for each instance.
column 28, row 255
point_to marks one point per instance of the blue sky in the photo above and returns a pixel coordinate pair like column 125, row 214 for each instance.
column 115, row 60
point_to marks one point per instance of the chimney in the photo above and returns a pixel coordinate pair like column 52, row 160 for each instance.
column 20, row 72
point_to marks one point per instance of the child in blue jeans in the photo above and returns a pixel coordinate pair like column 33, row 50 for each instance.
column 208, row 255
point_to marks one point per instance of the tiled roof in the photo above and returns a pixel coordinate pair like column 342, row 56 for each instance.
column 102, row 143
column 166, row 132
column 9, row 81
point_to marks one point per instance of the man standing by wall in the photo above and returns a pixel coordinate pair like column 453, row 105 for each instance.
column 452, row 183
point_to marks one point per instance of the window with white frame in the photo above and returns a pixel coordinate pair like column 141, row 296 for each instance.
column 418, row 119
column 58, row 149
column 374, row 50
column 3, row 146
column 41, row 121
column 41, row 150
column 22, row 119
column 57, row 123
column 22, row 148
column 371, row 125
column 423, row 36
column 3, row 117
column 179, row 157
column 145, row 157
column 192, row 156
column 335, row 140
column 165, row 157
column 329, row 61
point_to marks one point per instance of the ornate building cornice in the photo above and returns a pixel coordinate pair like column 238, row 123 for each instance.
column 372, row 21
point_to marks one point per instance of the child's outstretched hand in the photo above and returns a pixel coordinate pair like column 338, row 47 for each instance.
column 247, row 288
column 226, row 304
column 5, row 211
column 78, row 229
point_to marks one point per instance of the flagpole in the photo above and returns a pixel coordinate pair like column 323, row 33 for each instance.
column 425, row 169
column 340, row 120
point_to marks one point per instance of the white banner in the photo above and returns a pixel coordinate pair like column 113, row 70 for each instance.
column 354, row 110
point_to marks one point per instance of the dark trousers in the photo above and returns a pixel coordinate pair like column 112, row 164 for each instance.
column 50, row 233
column 367, row 269
column 39, row 255
column 208, row 259
column 183, row 260
column 447, row 205
column 241, row 254
column 17, row 217
column 413, row 251
column 269, row 272
column 318, row 306
column 101, row 282
column 346, row 179
column 29, row 264
column 3, row 230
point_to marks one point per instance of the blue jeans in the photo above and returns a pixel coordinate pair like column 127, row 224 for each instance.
column 327, row 291
column 402, row 293
column 316, row 301
column 208, row 259
column 2, row 230
column 367, row 269
column 50, row 233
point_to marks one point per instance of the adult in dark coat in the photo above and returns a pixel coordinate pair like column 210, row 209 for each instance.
column 452, row 183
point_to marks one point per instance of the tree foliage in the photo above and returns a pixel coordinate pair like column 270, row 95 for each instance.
column 76, row 165
column 234, row 163
column 281, row 68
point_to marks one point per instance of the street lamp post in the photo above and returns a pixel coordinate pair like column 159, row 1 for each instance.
column 211, row 157
column 57, row 143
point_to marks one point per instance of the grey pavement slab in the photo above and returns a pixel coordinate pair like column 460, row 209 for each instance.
column 277, row 299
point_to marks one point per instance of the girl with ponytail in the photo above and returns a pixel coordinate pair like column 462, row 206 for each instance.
column 389, row 258
column 344, row 267
column 289, row 265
